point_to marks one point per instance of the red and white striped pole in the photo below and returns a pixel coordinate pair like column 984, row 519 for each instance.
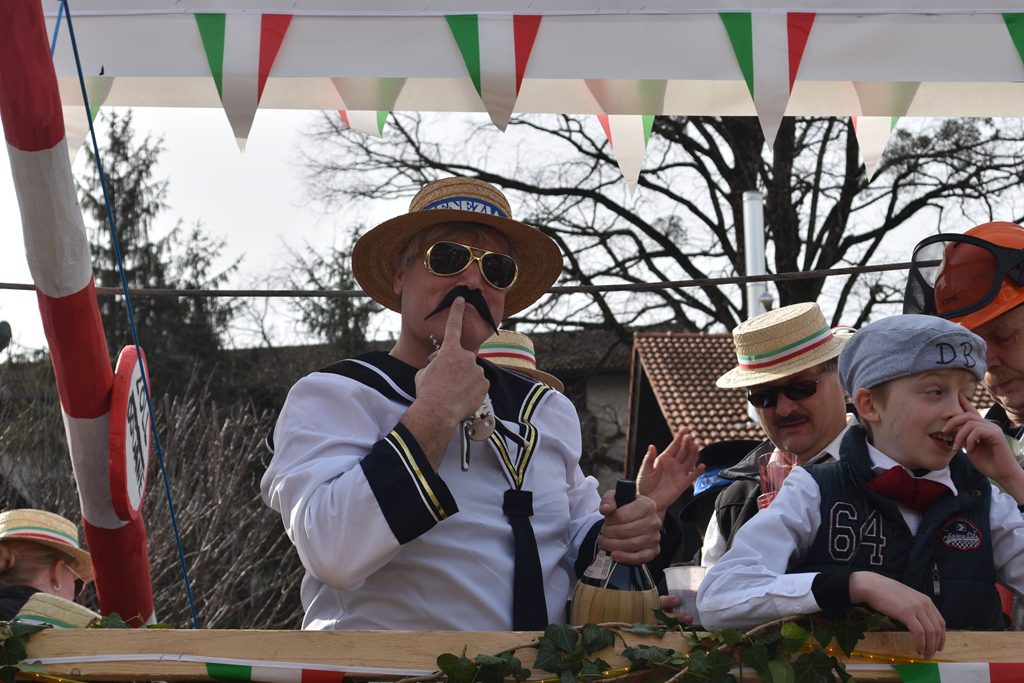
column 59, row 259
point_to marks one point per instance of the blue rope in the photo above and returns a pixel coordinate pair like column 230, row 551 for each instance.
column 131, row 320
column 56, row 29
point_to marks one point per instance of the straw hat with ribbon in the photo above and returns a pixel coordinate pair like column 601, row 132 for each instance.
column 375, row 256
column 44, row 608
column 780, row 343
column 49, row 529
column 514, row 351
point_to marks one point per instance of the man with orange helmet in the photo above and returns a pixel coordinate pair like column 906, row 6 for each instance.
column 977, row 279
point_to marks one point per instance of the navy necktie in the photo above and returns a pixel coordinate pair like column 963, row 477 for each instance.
column 529, row 608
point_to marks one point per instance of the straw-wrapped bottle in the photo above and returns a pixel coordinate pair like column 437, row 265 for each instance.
column 610, row 590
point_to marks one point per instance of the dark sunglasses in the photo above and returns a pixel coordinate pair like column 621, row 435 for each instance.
column 451, row 258
column 955, row 275
column 768, row 397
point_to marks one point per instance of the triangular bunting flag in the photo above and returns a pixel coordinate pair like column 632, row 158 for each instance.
column 885, row 99
column 369, row 94
column 873, row 134
column 623, row 96
column 368, row 122
column 76, row 122
column 628, row 135
column 496, row 51
column 241, row 49
column 768, row 47
column 1015, row 25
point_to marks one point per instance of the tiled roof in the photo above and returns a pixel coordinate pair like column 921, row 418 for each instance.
column 682, row 368
column 580, row 351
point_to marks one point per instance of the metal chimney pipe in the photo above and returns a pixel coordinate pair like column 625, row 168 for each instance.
column 758, row 298
column 753, row 236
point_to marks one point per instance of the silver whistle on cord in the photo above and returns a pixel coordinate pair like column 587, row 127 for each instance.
column 480, row 425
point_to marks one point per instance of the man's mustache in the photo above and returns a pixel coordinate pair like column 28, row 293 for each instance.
column 789, row 419
column 473, row 297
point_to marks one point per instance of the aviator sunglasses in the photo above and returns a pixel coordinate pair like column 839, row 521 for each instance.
column 451, row 258
column 968, row 271
column 768, row 397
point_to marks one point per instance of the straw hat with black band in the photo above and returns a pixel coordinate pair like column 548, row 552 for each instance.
column 466, row 200
column 49, row 529
column 515, row 352
column 780, row 343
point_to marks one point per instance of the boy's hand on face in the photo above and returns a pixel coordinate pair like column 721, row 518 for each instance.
column 986, row 447
column 664, row 477
column 913, row 609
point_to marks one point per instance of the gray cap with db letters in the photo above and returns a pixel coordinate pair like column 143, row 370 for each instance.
column 905, row 345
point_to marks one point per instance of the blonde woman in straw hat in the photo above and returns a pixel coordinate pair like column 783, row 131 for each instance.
column 39, row 552
column 787, row 361
column 426, row 489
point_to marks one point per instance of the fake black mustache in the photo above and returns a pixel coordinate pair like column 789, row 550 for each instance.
column 473, row 297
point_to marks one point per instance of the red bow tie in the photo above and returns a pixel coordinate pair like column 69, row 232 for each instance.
column 916, row 494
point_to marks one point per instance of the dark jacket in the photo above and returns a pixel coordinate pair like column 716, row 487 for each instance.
column 949, row 558
column 738, row 502
column 12, row 599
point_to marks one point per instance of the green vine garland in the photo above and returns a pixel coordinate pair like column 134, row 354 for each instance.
column 786, row 651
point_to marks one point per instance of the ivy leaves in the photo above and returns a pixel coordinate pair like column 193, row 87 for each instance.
column 781, row 652
column 13, row 637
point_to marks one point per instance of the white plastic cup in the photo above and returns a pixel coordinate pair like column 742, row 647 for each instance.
column 683, row 582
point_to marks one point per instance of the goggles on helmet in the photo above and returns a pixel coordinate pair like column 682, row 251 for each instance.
column 955, row 275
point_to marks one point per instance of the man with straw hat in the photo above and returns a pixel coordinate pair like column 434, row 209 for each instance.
column 787, row 360
column 425, row 488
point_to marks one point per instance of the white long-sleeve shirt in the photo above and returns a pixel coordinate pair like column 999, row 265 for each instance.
column 749, row 584
column 455, row 570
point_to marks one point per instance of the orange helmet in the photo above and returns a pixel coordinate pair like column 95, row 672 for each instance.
column 979, row 276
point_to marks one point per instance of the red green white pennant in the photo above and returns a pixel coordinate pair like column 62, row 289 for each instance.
column 367, row 102
column 241, row 50
column 368, row 122
column 873, row 134
column 769, row 47
column 628, row 135
column 76, row 121
column 496, row 50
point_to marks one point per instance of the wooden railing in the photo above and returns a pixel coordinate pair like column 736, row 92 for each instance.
column 171, row 655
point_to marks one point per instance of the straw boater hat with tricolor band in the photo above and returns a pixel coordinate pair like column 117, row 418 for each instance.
column 780, row 343
column 514, row 351
column 375, row 255
column 55, row 611
column 49, row 529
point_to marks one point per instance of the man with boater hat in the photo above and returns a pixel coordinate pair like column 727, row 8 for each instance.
column 787, row 360
column 426, row 488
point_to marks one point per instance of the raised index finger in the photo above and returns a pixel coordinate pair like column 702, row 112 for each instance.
column 453, row 328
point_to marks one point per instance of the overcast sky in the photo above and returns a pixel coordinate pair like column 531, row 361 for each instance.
column 255, row 201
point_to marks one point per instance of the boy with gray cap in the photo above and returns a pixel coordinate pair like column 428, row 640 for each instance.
column 905, row 522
